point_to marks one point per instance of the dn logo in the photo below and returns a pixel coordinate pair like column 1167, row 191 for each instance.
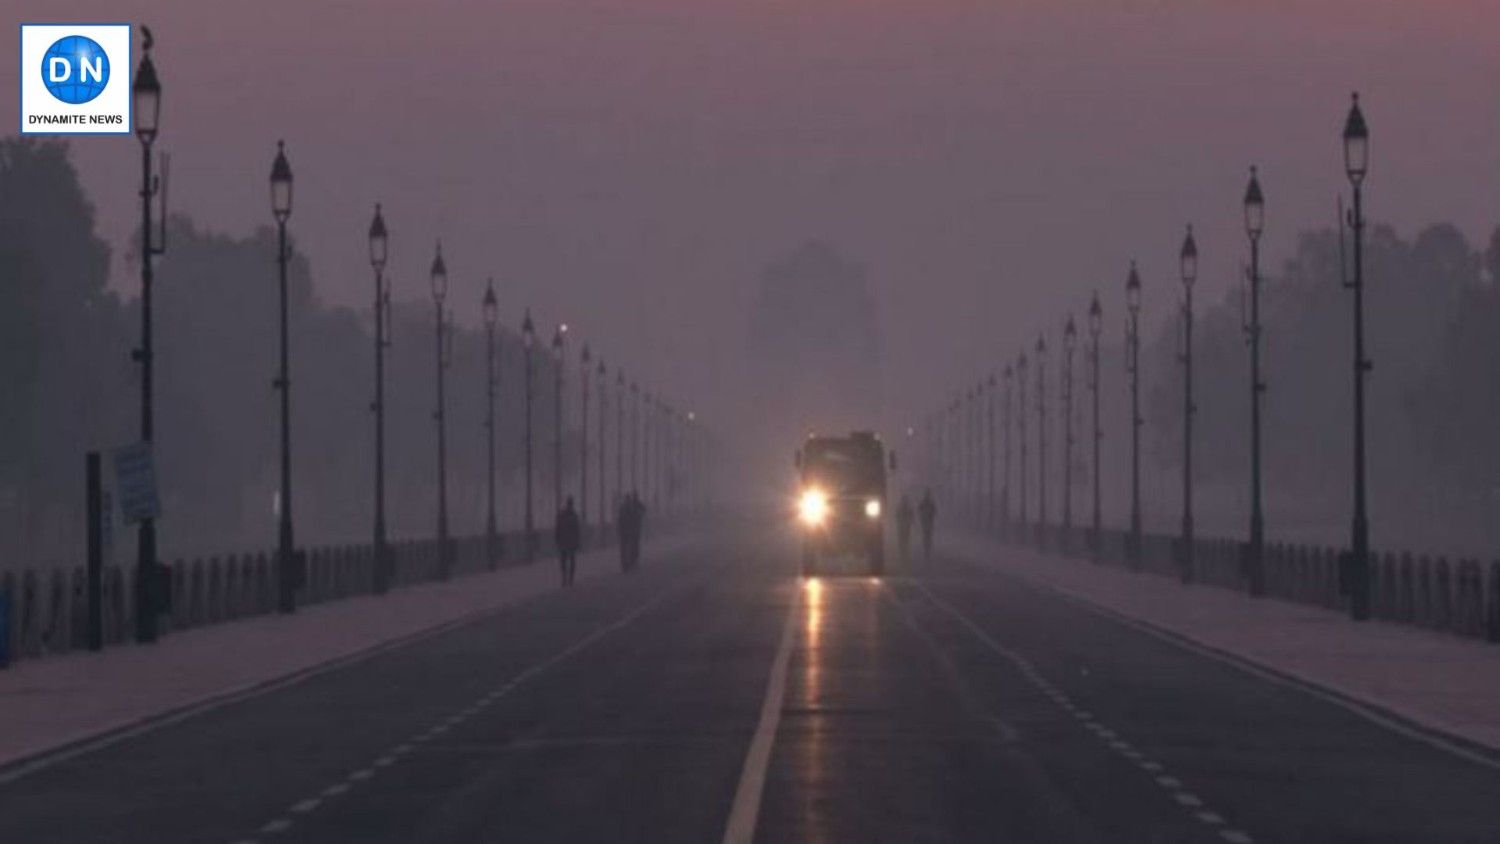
column 75, row 69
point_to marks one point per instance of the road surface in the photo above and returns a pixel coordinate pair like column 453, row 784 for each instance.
column 714, row 696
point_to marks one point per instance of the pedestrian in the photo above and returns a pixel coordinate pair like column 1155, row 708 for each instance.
column 904, row 517
column 637, row 528
column 568, row 535
column 927, row 512
column 623, row 516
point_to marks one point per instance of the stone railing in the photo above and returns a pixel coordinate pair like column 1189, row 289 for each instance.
column 1460, row 596
column 46, row 611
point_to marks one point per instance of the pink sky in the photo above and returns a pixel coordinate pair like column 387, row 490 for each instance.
column 630, row 164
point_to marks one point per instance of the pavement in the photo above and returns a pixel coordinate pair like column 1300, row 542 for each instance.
column 715, row 696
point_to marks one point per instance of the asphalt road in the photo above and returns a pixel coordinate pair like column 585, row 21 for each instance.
column 715, row 691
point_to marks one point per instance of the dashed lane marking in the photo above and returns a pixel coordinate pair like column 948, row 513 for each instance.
column 401, row 750
column 1172, row 784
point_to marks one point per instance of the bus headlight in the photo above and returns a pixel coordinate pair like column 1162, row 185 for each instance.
column 812, row 507
column 872, row 508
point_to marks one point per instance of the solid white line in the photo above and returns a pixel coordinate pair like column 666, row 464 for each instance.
column 1375, row 713
column 746, row 807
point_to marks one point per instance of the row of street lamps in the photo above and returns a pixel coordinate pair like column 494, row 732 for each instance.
column 655, row 423
column 955, row 451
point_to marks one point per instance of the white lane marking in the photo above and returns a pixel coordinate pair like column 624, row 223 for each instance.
column 1431, row 736
column 745, row 810
column 1210, row 818
column 1184, row 798
column 310, row 804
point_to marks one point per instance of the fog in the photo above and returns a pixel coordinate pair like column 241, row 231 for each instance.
column 970, row 172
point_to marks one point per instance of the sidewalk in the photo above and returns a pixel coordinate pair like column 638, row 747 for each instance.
column 51, row 703
column 1442, row 683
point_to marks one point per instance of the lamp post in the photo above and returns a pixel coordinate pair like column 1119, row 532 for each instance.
column 585, row 361
column 1255, row 218
column 1188, row 264
column 1356, row 165
column 1070, row 341
column 439, row 278
column 1133, row 369
column 377, row 239
column 1096, row 324
column 491, row 316
column 989, row 454
column 1023, row 524
column 528, row 341
column 619, row 439
column 603, row 383
column 1041, row 441
column 281, row 208
column 635, row 437
column 146, row 96
column 557, row 416
column 1005, row 519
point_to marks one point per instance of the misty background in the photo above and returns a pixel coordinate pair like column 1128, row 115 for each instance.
column 789, row 215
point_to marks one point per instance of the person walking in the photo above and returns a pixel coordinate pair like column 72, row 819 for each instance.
column 623, row 516
column 904, row 517
column 568, row 535
column 927, row 512
column 637, row 528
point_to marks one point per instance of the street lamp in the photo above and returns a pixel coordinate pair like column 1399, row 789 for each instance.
column 528, row 341
column 989, row 453
column 491, row 309
column 1070, row 341
column 1356, row 164
column 281, row 208
column 1041, row 441
column 619, row 439
column 146, row 92
column 603, row 382
column 378, row 246
column 1255, row 219
column 585, row 361
column 1096, row 325
column 635, row 437
column 1005, row 519
column 1021, row 431
column 439, row 278
column 1133, row 369
column 1188, row 261
column 557, row 415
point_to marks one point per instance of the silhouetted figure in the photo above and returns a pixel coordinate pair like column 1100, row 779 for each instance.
column 927, row 512
column 622, row 530
column 904, row 516
column 568, row 535
column 637, row 528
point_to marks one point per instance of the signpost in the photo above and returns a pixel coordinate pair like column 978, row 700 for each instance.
column 135, row 480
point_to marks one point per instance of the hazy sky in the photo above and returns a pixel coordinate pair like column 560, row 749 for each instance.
column 630, row 165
